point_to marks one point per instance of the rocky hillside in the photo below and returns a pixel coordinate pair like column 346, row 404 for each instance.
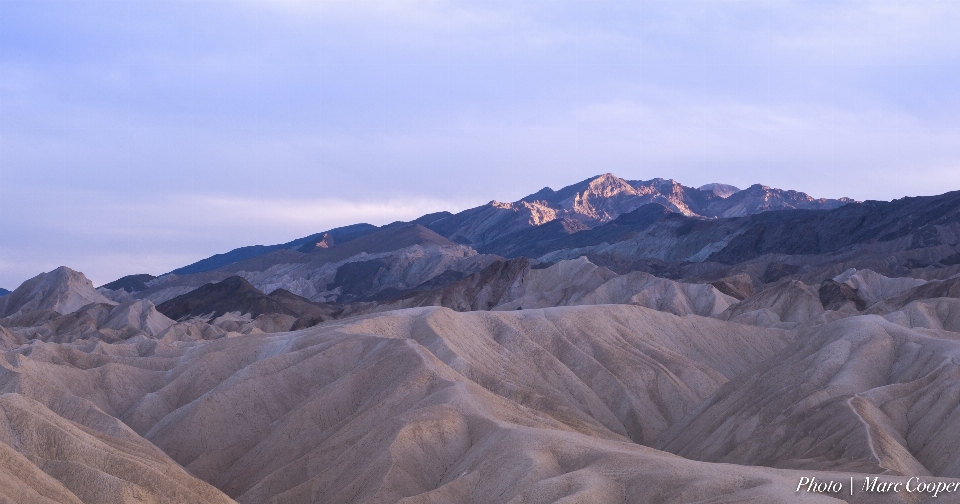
column 61, row 290
column 603, row 198
column 531, row 405
column 574, row 208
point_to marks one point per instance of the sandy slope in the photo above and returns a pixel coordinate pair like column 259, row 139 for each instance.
column 98, row 321
column 514, row 285
column 422, row 405
column 858, row 394
column 80, row 454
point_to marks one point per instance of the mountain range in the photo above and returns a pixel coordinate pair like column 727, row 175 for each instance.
column 611, row 341
column 585, row 205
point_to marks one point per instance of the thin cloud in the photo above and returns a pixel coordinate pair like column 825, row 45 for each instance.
column 878, row 32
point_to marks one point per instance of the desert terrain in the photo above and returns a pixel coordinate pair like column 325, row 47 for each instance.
column 612, row 341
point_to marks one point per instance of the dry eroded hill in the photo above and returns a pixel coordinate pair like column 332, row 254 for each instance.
column 432, row 405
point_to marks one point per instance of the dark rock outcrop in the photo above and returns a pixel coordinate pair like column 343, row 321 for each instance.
column 130, row 283
column 235, row 294
column 230, row 295
column 834, row 295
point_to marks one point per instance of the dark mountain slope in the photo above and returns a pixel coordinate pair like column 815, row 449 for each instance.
column 528, row 242
column 235, row 294
column 478, row 291
column 130, row 283
column 232, row 294
column 907, row 237
column 821, row 231
column 531, row 226
column 309, row 313
column 339, row 235
column 929, row 222
column 294, row 268
column 603, row 198
column 558, row 235
column 385, row 239
column 431, row 218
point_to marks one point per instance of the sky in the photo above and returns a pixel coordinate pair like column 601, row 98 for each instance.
column 137, row 137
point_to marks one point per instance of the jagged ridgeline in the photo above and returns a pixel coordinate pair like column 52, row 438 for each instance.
column 610, row 341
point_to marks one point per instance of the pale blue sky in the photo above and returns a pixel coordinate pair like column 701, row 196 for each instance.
column 142, row 136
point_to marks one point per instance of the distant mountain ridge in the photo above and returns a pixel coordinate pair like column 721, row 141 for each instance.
column 679, row 233
column 915, row 223
column 340, row 234
column 578, row 207
column 603, row 198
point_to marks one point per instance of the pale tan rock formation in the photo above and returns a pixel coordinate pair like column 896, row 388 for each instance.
column 431, row 405
column 62, row 290
column 8, row 339
column 859, row 394
column 140, row 315
column 580, row 282
column 939, row 313
column 515, row 285
column 787, row 304
column 80, row 454
column 873, row 287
